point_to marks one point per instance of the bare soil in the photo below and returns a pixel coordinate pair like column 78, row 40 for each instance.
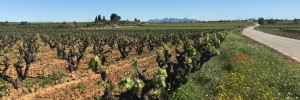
column 81, row 84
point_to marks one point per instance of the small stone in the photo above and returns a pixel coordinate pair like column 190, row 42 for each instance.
column 73, row 76
column 31, row 90
column 39, row 73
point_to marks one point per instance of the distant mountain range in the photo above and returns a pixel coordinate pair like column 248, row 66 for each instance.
column 172, row 20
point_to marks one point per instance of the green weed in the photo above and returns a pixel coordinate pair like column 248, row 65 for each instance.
column 243, row 70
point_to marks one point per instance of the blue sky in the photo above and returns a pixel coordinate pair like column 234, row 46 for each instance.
column 86, row 10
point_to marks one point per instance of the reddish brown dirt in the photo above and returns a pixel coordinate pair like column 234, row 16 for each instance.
column 47, row 63
column 71, row 90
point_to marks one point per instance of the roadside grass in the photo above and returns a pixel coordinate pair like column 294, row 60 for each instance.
column 243, row 70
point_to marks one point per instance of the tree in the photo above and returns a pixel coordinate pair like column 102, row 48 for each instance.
column 271, row 21
column 261, row 21
column 103, row 18
column 295, row 21
column 24, row 23
column 118, row 18
column 135, row 20
column 96, row 19
column 114, row 17
column 99, row 17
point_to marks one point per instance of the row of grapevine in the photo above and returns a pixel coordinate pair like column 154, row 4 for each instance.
column 192, row 49
column 290, row 30
column 28, row 49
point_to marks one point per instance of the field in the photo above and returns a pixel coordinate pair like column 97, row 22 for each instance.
column 286, row 28
column 152, row 61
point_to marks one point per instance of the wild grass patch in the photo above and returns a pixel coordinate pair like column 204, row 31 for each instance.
column 243, row 70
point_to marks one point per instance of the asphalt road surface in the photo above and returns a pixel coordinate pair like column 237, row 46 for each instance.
column 287, row 46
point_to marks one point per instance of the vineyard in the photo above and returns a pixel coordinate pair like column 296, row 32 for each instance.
column 156, row 61
column 286, row 29
column 149, row 50
column 143, row 63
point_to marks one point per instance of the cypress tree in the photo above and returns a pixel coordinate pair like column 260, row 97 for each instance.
column 96, row 19
column 103, row 18
column 99, row 17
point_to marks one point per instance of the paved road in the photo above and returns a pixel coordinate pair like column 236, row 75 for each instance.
column 287, row 46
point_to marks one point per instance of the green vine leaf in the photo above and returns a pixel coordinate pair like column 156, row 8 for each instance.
column 134, row 63
column 187, row 60
column 3, row 87
column 95, row 63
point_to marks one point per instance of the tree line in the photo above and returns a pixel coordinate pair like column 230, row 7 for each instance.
column 263, row 21
column 113, row 18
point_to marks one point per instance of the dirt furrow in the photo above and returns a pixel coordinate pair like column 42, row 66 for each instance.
column 112, row 69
